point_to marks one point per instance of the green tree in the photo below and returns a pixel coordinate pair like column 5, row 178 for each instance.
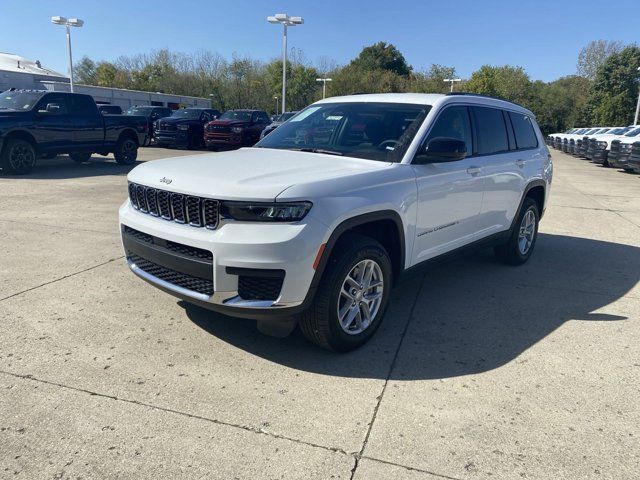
column 382, row 56
column 613, row 95
column 593, row 56
column 85, row 71
column 106, row 74
column 507, row 82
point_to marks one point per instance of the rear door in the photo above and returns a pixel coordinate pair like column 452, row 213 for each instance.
column 53, row 130
column 449, row 193
column 503, row 165
column 87, row 121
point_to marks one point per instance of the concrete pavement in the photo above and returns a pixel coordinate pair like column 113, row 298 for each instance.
column 479, row 370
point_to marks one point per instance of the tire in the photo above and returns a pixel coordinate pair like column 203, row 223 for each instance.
column 520, row 245
column 320, row 323
column 80, row 157
column 126, row 151
column 18, row 157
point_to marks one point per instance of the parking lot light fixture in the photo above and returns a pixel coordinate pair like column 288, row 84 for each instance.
column 275, row 97
column 324, row 85
column 286, row 21
column 452, row 80
column 68, row 23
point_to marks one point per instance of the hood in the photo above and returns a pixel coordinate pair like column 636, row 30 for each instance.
column 229, row 123
column 176, row 121
column 256, row 174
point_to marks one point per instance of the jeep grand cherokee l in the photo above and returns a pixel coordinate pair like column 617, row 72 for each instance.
column 316, row 223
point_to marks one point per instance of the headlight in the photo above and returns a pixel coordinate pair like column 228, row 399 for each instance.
column 183, row 127
column 265, row 212
column 237, row 129
column 625, row 146
column 603, row 144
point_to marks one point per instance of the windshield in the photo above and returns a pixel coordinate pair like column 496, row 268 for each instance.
column 374, row 131
column 19, row 100
column 144, row 111
column 285, row 116
column 186, row 113
column 633, row 132
column 236, row 115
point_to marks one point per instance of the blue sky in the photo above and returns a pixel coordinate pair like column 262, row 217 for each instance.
column 542, row 36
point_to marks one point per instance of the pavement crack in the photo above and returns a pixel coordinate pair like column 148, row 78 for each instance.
column 411, row 469
column 62, row 278
column 246, row 428
column 359, row 455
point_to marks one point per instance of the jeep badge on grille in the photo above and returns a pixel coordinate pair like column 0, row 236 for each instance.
column 166, row 180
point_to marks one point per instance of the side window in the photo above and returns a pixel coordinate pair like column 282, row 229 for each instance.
column 57, row 99
column 264, row 118
column 512, row 139
column 81, row 105
column 524, row 131
column 206, row 117
column 255, row 117
column 491, row 131
column 453, row 122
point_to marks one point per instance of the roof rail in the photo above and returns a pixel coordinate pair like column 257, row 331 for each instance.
column 482, row 96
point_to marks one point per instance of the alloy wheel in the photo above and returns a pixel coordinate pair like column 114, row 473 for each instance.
column 360, row 297
column 527, row 232
column 21, row 157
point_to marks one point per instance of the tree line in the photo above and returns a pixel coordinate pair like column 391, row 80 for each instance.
column 602, row 92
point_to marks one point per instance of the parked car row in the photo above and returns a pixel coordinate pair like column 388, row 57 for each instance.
column 617, row 147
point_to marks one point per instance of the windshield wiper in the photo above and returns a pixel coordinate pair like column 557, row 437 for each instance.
column 318, row 150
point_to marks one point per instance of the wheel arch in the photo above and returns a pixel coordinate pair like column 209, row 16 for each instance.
column 129, row 133
column 537, row 190
column 22, row 135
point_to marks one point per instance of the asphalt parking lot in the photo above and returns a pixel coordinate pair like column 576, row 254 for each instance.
column 479, row 371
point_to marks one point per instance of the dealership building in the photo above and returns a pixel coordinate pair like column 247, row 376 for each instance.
column 18, row 72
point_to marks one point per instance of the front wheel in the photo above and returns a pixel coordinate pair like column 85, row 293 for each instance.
column 352, row 297
column 523, row 238
column 126, row 151
column 18, row 157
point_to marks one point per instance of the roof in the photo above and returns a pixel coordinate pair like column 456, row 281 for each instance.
column 434, row 99
column 10, row 62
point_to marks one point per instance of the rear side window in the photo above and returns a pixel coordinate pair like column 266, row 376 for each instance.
column 453, row 122
column 81, row 105
column 491, row 131
column 524, row 132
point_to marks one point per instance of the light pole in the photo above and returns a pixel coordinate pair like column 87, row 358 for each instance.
column 286, row 21
column 324, row 85
column 275, row 97
column 635, row 120
column 71, row 22
column 452, row 80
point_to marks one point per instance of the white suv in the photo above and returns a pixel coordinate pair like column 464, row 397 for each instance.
column 316, row 223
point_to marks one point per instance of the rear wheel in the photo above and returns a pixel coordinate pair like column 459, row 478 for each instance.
column 80, row 157
column 18, row 157
column 523, row 238
column 126, row 151
column 353, row 295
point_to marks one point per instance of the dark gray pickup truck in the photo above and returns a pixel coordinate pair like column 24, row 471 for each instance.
column 39, row 124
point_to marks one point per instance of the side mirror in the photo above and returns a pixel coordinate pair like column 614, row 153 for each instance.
column 52, row 109
column 442, row 149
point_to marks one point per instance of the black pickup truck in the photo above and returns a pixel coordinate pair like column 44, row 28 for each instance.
column 39, row 124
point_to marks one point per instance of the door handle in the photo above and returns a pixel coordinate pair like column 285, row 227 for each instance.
column 473, row 170
column 520, row 163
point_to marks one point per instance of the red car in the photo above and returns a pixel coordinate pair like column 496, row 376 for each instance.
column 236, row 128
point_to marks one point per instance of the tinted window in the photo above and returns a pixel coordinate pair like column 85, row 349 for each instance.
column 453, row 122
column 491, row 132
column 81, row 105
column 54, row 98
column 523, row 129
column 13, row 100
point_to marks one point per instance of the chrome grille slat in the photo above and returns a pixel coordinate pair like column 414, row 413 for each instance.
column 164, row 206
column 152, row 201
column 194, row 214
column 210, row 212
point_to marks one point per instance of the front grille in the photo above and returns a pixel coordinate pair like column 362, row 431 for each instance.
column 195, row 211
column 183, row 280
column 259, row 288
column 143, row 237
column 167, row 127
column 635, row 149
column 218, row 128
column 168, row 244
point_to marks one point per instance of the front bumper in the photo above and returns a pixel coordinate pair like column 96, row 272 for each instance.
column 236, row 248
column 600, row 155
column 220, row 139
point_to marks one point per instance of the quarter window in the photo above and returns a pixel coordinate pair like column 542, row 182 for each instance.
column 491, row 131
column 81, row 105
column 453, row 122
column 523, row 129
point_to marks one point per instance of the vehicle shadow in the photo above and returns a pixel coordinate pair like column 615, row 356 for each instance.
column 62, row 167
column 470, row 315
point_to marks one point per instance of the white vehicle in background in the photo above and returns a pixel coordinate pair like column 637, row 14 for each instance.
column 621, row 147
column 314, row 225
column 570, row 143
column 582, row 143
column 600, row 144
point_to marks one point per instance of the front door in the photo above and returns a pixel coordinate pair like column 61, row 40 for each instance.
column 450, row 193
column 88, row 123
column 53, row 129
